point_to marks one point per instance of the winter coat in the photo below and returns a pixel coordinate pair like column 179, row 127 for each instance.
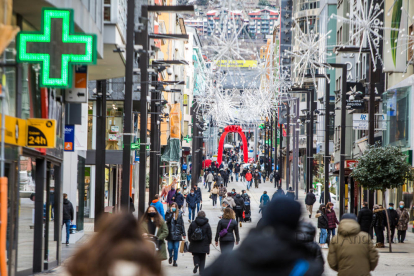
column 403, row 219
column 264, row 199
column 239, row 202
column 378, row 218
column 279, row 192
column 256, row 176
column 179, row 199
column 393, row 217
column 214, row 191
column 171, row 196
column 248, row 177
column 322, row 220
column 230, row 201
column 220, row 180
column 310, row 199
column 237, row 168
column 351, row 252
column 266, row 254
column 290, row 194
column 277, row 176
column 332, row 220
column 233, row 230
column 191, row 200
column 159, row 206
column 176, row 229
column 67, row 210
column 306, row 234
column 230, row 165
column 202, row 246
column 162, row 234
column 210, row 177
column 224, row 175
column 222, row 191
column 245, row 197
column 199, row 195
column 365, row 219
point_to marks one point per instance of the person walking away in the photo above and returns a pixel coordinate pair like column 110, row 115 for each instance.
column 209, row 179
column 67, row 216
column 332, row 220
column 230, row 200
column 271, row 176
column 154, row 226
column 264, row 200
column 239, row 208
column 176, row 231
column 348, row 257
column 322, row 198
column 378, row 225
column 264, row 175
column 310, row 199
column 131, row 205
column 200, row 237
column 116, row 249
column 245, row 196
column 271, row 248
column 230, row 166
column 305, row 233
column 365, row 219
column 225, row 177
column 290, row 194
column 256, row 177
column 393, row 218
column 219, row 181
column 222, row 193
column 191, row 200
column 279, row 192
column 277, row 179
column 188, row 178
column 249, row 178
column 323, row 226
column 227, row 229
column 171, row 196
column 237, row 171
column 179, row 198
column 403, row 219
column 197, row 192
column 214, row 193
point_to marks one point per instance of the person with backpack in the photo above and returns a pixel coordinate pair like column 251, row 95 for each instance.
column 239, row 208
column 227, row 229
column 176, row 231
column 310, row 199
column 200, row 237
column 264, row 200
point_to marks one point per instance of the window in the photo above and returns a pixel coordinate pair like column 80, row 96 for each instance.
column 107, row 10
column 411, row 42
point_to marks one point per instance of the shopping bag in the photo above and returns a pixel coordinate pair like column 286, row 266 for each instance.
column 244, row 214
column 184, row 247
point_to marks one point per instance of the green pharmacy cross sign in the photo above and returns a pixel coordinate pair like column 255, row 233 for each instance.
column 56, row 47
column 188, row 139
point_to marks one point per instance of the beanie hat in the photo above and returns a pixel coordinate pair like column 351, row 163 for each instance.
column 349, row 216
column 282, row 211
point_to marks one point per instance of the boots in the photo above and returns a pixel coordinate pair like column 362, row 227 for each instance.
column 175, row 263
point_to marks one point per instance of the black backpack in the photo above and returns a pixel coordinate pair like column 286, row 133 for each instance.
column 197, row 234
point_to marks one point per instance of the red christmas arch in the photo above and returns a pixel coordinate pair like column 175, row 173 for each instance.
column 227, row 130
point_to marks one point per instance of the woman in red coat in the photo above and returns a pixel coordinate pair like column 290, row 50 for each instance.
column 332, row 220
column 248, row 177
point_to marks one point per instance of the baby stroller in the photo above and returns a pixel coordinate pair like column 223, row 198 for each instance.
column 247, row 215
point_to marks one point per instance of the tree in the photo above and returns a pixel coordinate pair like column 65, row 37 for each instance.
column 264, row 3
column 382, row 168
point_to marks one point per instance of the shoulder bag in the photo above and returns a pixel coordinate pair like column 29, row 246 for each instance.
column 224, row 231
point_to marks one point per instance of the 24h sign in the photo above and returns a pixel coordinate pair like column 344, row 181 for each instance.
column 56, row 47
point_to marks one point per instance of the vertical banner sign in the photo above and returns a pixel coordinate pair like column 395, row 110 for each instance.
column 175, row 121
column 396, row 31
column 69, row 138
column 41, row 133
column 56, row 47
column 286, row 9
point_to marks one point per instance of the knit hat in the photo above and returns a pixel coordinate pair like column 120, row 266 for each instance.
column 282, row 211
column 349, row 216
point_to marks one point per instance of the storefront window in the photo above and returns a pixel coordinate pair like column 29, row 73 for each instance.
column 8, row 87
column 114, row 124
column 396, row 110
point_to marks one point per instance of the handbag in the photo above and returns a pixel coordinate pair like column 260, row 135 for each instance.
column 224, row 231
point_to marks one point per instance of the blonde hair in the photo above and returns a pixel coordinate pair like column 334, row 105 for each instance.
column 229, row 214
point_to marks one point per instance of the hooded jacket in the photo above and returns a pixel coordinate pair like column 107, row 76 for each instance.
column 230, row 201
column 322, row 220
column 279, row 192
column 351, row 252
column 265, row 253
column 179, row 199
column 202, row 246
column 248, row 176
column 239, row 202
column 306, row 234
column 378, row 218
column 160, row 208
column 67, row 210
column 290, row 194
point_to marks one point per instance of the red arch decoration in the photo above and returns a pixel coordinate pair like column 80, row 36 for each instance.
column 227, row 130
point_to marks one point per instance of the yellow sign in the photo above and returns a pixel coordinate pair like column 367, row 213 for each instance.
column 175, row 121
column 15, row 132
column 236, row 63
column 41, row 133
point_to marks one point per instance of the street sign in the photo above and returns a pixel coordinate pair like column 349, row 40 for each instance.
column 41, row 133
column 360, row 121
column 78, row 92
column 56, row 47
column 69, row 138
column 15, row 132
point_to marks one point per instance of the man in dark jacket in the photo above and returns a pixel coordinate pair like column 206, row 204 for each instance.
column 179, row 198
column 270, row 249
column 256, row 177
column 192, row 204
column 378, row 224
column 67, row 215
column 200, row 248
column 365, row 218
column 237, row 171
column 393, row 218
column 239, row 208
column 197, row 192
column 279, row 192
column 310, row 199
column 277, row 179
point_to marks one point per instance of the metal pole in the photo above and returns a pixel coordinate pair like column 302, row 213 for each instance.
column 312, row 106
column 194, row 176
column 280, row 152
column 294, row 153
column 373, row 78
column 255, row 143
column 153, row 175
column 342, row 151
column 271, row 144
column 326, row 153
column 297, row 150
column 288, row 146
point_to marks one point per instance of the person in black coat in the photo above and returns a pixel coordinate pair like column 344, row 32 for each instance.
column 200, row 248
column 309, row 201
column 67, row 215
column 239, row 208
column 279, row 192
column 179, row 198
column 323, row 224
column 227, row 222
column 191, row 200
column 277, row 179
column 270, row 249
column 378, row 224
column 290, row 193
column 305, row 233
column 365, row 219
column 393, row 218
column 176, row 231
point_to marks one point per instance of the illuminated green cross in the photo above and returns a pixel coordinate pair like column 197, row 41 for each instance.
column 187, row 139
column 57, row 47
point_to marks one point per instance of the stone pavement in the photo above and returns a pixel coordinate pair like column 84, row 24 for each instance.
column 398, row 263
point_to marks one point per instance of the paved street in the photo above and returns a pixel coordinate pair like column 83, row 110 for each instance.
column 398, row 263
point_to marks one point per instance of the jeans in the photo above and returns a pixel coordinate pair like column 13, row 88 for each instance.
column 323, row 235
column 67, row 223
column 173, row 245
column 198, row 207
column 237, row 177
column 214, row 198
column 249, row 184
column 331, row 231
column 209, row 186
column 221, row 199
column 191, row 211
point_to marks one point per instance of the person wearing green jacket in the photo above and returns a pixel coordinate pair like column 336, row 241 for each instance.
column 154, row 226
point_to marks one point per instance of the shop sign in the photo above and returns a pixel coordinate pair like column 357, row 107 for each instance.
column 350, row 164
column 355, row 88
column 69, row 138
column 41, row 133
column 56, row 47
column 360, row 121
column 15, row 132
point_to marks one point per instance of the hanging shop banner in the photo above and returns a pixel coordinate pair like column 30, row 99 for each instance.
column 15, row 132
column 69, row 138
column 357, row 103
column 360, row 121
column 395, row 36
column 56, row 47
column 175, row 121
column 237, row 63
column 41, row 133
